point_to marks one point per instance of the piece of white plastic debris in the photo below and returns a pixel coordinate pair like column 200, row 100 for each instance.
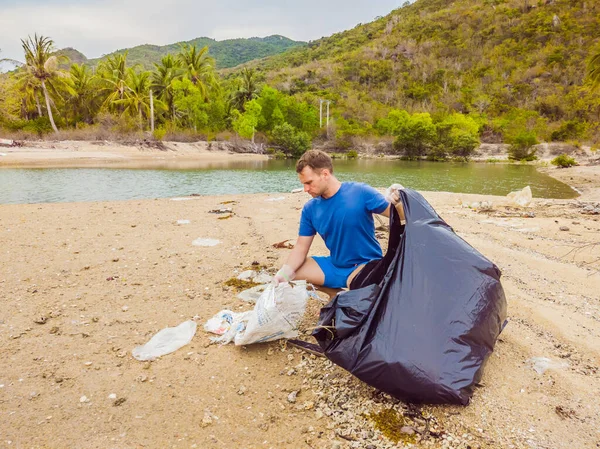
column 112, row 396
column 541, row 364
column 246, row 275
column 206, row 242
column 166, row 341
column 182, row 222
column 521, row 197
column 83, row 399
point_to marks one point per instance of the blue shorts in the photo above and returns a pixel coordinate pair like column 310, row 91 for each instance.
column 335, row 277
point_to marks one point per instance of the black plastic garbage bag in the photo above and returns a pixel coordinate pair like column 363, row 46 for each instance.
column 420, row 323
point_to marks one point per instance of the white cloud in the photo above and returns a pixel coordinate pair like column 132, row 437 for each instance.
column 96, row 28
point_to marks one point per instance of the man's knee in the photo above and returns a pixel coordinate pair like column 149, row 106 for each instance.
column 310, row 271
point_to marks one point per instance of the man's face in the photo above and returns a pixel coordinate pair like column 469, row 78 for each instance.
column 315, row 183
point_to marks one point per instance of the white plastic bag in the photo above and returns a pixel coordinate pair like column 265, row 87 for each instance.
column 168, row 340
column 276, row 315
column 521, row 197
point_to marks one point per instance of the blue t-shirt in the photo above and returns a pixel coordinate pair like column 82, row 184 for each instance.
column 345, row 222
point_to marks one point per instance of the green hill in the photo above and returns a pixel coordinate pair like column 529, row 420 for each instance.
column 508, row 60
column 227, row 53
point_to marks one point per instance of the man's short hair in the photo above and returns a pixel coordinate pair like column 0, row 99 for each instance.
column 317, row 160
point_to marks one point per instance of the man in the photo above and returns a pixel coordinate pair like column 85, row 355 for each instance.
column 342, row 214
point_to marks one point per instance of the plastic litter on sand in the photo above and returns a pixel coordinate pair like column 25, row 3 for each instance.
column 206, row 242
column 541, row 364
column 168, row 340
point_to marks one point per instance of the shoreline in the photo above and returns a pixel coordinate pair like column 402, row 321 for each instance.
column 100, row 154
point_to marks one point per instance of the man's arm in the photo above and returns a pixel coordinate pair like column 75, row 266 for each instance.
column 299, row 253
column 294, row 261
column 399, row 208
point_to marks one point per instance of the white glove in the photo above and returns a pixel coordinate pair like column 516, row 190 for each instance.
column 285, row 274
column 392, row 194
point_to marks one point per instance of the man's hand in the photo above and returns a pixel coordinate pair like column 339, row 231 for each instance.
column 392, row 194
column 285, row 274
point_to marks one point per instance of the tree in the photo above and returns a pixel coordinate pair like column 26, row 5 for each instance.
column 247, row 88
column 189, row 101
column 42, row 67
column 136, row 98
column 245, row 124
column 458, row 135
column 294, row 141
column 521, row 146
column 10, row 101
column 168, row 71
column 84, row 101
column 113, row 72
column 198, row 67
column 414, row 133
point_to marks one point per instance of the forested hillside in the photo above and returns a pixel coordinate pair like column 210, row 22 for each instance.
column 506, row 60
column 227, row 53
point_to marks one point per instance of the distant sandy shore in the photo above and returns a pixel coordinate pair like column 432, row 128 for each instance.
column 99, row 154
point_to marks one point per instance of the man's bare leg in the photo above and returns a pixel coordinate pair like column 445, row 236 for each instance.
column 310, row 272
column 353, row 275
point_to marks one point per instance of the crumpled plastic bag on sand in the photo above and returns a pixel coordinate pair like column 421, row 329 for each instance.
column 521, row 198
column 276, row 315
column 168, row 340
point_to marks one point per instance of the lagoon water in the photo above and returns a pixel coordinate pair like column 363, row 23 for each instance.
column 92, row 184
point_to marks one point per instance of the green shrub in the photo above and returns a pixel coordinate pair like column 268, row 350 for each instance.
column 290, row 139
column 563, row 161
column 159, row 133
column 572, row 129
column 414, row 133
column 521, row 147
column 352, row 154
column 40, row 126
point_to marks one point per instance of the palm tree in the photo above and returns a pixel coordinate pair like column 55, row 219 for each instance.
column 166, row 72
column 136, row 98
column 83, row 102
column 247, row 88
column 113, row 72
column 198, row 67
column 594, row 70
column 41, row 71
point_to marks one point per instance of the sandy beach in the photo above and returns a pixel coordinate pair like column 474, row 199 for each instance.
column 82, row 284
column 100, row 154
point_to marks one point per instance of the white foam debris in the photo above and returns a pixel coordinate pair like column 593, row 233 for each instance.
column 206, row 242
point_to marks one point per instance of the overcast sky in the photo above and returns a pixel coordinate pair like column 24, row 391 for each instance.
column 99, row 27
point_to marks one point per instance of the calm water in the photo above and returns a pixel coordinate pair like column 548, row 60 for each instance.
column 91, row 184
